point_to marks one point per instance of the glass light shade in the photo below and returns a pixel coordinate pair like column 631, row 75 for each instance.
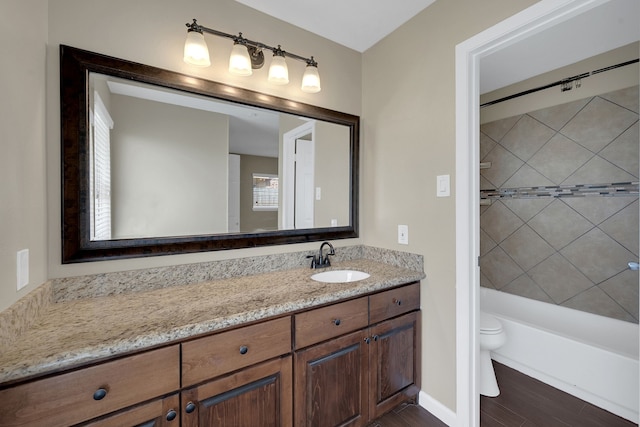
column 311, row 80
column 195, row 50
column 239, row 61
column 278, row 71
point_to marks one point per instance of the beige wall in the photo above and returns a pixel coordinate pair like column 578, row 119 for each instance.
column 331, row 174
column 169, row 169
column 23, row 209
column 409, row 138
column 153, row 32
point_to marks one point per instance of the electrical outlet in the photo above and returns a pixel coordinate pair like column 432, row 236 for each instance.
column 22, row 268
column 403, row 234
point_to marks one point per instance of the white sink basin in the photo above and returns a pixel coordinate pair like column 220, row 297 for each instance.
column 339, row 276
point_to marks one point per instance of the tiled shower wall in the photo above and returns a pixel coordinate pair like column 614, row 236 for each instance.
column 569, row 251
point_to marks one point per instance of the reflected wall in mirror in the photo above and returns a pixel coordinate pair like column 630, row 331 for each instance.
column 157, row 162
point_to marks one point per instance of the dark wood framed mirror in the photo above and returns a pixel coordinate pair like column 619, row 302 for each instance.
column 140, row 221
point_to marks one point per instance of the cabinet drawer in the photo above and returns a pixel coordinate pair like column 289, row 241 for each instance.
column 394, row 302
column 157, row 413
column 327, row 322
column 215, row 355
column 75, row 397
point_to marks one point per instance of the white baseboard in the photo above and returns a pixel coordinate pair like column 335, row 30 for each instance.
column 437, row 409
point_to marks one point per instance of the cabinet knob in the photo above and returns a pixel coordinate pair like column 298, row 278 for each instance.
column 397, row 301
column 367, row 340
column 99, row 394
column 336, row 322
column 244, row 349
column 171, row 415
column 375, row 338
column 190, row 407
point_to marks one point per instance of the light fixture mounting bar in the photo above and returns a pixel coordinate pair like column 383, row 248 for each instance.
column 194, row 26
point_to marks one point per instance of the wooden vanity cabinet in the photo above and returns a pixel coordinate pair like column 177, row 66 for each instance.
column 343, row 364
column 352, row 379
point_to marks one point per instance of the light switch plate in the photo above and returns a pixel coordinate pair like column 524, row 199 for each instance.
column 403, row 234
column 443, row 186
column 22, row 268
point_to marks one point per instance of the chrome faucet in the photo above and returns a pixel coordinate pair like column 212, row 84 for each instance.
column 318, row 261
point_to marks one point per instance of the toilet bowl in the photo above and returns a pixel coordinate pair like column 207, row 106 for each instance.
column 492, row 337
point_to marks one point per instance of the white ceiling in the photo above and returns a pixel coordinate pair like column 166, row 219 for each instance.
column 603, row 28
column 357, row 24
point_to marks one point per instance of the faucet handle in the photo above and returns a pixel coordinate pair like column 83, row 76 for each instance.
column 327, row 262
column 314, row 260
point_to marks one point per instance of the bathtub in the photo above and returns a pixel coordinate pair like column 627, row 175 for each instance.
column 592, row 357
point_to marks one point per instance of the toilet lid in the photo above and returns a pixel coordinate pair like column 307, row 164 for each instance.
column 489, row 324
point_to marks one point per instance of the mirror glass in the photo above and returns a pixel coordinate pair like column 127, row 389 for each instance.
column 156, row 162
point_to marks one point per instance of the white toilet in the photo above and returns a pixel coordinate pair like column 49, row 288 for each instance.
column 492, row 337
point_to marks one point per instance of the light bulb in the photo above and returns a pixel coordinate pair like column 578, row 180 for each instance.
column 239, row 61
column 311, row 80
column 278, row 71
column 195, row 50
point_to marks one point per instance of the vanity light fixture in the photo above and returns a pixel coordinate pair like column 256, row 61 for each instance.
column 248, row 55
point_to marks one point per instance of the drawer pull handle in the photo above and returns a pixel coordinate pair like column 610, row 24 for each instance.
column 397, row 301
column 99, row 394
column 375, row 338
column 171, row 415
column 244, row 349
column 190, row 407
column 336, row 322
column 367, row 340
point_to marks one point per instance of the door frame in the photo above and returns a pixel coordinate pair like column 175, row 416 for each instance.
column 288, row 171
column 538, row 17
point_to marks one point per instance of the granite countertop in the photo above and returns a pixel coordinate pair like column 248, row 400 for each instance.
column 73, row 333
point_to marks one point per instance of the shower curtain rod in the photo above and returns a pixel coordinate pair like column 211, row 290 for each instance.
column 564, row 82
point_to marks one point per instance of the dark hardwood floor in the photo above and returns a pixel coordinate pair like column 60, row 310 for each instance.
column 408, row 415
column 527, row 402
column 523, row 402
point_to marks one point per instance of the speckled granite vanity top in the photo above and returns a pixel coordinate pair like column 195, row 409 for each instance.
column 73, row 332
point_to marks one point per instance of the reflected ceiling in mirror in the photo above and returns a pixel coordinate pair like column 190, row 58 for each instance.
column 156, row 163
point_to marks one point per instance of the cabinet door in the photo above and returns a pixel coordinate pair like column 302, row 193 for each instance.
column 257, row 396
column 394, row 362
column 331, row 383
column 158, row 413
